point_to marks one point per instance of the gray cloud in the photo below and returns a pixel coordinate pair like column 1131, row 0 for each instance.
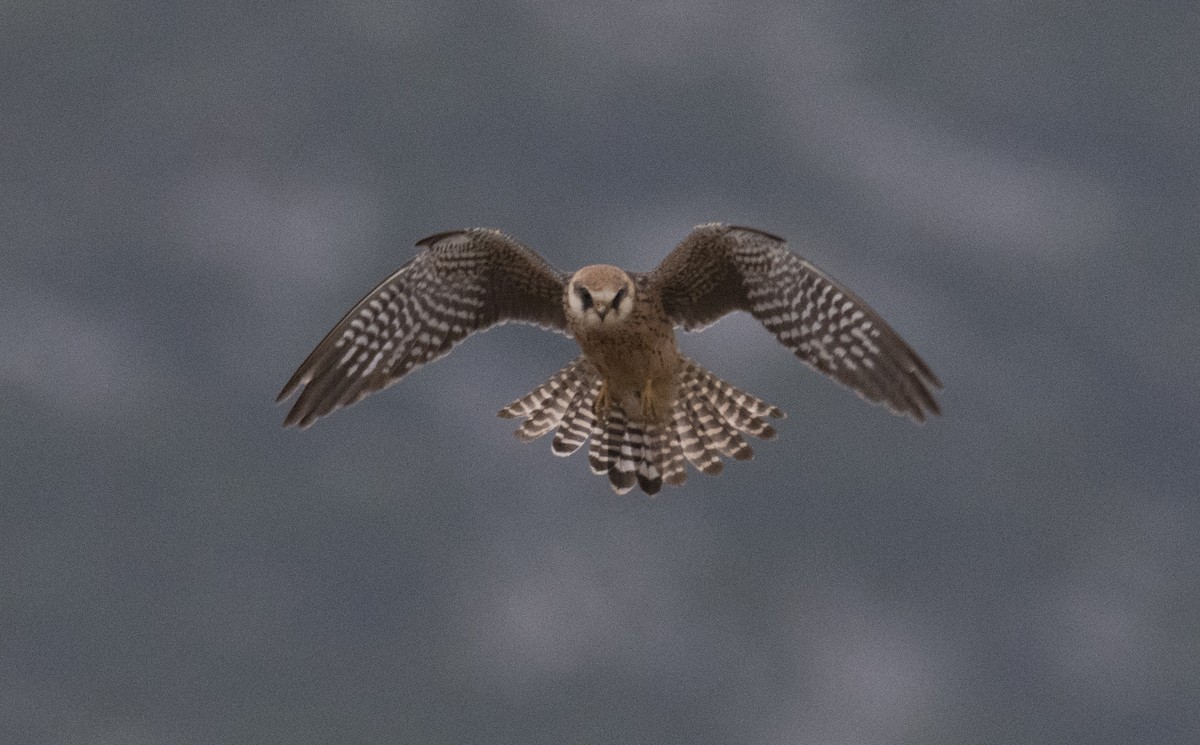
column 192, row 196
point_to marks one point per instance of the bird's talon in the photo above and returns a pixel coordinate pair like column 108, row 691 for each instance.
column 600, row 405
column 649, row 409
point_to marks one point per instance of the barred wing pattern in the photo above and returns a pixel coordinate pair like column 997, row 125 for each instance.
column 718, row 269
column 462, row 281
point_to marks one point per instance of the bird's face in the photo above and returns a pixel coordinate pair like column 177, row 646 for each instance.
column 600, row 295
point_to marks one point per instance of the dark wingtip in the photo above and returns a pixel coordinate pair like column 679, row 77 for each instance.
column 921, row 415
column 294, row 419
column 289, row 387
column 302, row 419
column 925, row 403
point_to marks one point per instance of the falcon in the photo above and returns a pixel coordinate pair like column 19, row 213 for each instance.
column 646, row 409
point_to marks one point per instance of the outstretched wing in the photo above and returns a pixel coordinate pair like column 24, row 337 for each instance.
column 718, row 269
column 462, row 282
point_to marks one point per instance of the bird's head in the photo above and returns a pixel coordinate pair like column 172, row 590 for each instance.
column 600, row 295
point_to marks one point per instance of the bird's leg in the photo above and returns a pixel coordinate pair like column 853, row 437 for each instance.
column 600, row 405
column 649, row 409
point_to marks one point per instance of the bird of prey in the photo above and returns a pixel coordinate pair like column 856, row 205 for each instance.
column 646, row 408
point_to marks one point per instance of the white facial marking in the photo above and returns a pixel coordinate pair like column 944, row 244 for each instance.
column 600, row 296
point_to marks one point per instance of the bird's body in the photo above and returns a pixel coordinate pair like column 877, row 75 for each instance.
column 646, row 409
column 633, row 351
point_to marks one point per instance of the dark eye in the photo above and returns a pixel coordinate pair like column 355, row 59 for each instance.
column 585, row 297
column 619, row 297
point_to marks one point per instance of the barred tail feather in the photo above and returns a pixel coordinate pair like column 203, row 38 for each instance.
column 580, row 371
column 675, row 463
column 707, row 422
column 597, row 455
column 701, row 453
column 578, row 422
column 623, row 450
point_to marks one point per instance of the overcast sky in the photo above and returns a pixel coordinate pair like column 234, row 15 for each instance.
column 191, row 195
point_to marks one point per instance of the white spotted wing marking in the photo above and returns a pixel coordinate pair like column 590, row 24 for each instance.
column 461, row 282
column 718, row 269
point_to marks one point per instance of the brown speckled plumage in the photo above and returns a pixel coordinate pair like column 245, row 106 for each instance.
column 629, row 355
column 646, row 409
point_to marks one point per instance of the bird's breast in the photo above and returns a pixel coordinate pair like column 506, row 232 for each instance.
column 632, row 354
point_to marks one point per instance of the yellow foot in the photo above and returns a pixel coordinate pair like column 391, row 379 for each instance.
column 649, row 407
column 600, row 405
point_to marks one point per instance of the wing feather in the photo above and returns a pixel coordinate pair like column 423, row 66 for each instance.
column 462, row 281
column 718, row 269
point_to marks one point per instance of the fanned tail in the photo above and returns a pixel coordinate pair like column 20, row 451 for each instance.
column 559, row 402
column 707, row 421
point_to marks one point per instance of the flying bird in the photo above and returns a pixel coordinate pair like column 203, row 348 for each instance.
column 647, row 409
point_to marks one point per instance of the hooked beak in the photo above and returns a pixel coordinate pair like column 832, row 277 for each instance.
column 602, row 310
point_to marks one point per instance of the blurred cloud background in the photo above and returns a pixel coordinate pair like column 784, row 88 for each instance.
column 191, row 196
